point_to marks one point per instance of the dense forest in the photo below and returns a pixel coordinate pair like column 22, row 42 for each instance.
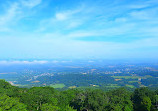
column 49, row 99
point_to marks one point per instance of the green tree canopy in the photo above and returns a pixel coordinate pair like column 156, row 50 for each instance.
column 11, row 104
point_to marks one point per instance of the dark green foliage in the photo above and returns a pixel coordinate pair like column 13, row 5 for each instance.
column 141, row 95
column 72, row 79
column 48, row 99
column 49, row 107
column 120, row 100
column 11, row 104
column 145, row 104
column 4, row 84
column 65, row 97
column 37, row 96
column 96, row 100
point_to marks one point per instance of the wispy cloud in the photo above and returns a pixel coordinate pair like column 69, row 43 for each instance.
column 23, row 62
column 63, row 20
column 7, row 18
column 87, row 28
column 31, row 3
column 123, row 24
column 15, row 11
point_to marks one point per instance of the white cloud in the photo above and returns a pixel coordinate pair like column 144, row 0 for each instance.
column 138, row 6
column 106, row 32
column 23, row 62
column 58, row 34
column 74, row 24
column 67, row 14
column 31, row 3
column 83, row 34
column 14, row 12
column 140, row 15
column 61, row 16
column 7, row 18
column 62, row 20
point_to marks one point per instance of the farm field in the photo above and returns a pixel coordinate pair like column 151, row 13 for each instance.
column 126, row 77
column 57, row 86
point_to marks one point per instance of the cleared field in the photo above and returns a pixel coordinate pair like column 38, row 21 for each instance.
column 125, row 77
column 112, row 85
column 72, row 87
column 57, row 85
column 132, row 81
column 19, row 85
column 130, row 86
column 87, row 87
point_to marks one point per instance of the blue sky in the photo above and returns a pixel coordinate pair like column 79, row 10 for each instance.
column 49, row 29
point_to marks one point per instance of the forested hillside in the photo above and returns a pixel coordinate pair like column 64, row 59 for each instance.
column 48, row 99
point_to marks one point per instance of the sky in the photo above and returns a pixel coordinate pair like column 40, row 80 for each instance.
column 103, row 29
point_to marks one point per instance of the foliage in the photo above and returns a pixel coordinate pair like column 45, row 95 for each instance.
column 49, row 107
column 119, row 100
column 146, row 104
column 11, row 104
column 48, row 99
